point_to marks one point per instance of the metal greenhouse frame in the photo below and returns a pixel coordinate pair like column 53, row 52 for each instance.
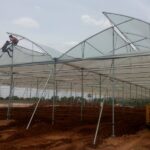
column 113, row 63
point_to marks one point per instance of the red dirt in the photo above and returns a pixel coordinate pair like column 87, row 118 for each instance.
column 68, row 132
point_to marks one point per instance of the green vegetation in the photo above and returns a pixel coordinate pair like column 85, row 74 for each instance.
column 77, row 100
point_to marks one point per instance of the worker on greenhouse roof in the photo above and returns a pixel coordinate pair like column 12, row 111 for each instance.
column 7, row 46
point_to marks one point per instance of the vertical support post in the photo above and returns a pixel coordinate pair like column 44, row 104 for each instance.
column 56, row 88
column 92, row 94
column 145, row 96
column 136, row 92
column 107, row 93
column 27, row 95
column 75, row 93
column 100, row 87
column 11, row 86
column 71, row 89
column 123, row 98
column 126, row 92
column 141, row 93
column 71, row 93
column 48, row 97
column 95, row 97
column 82, row 93
column 118, row 95
column 37, row 88
column 136, row 96
column 113, row 87
column 130, row 92
column 141, row 96
column 0, row 92
column 54, row 91
column 31, row 90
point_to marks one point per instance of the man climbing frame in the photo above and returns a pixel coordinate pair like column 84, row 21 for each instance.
column 8, row 46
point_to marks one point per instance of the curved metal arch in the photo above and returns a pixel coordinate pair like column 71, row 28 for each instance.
column 105, row 13
column 123, row 22
column 79, row 59
column 30, row 41
column 18, row 46
column 84, row 41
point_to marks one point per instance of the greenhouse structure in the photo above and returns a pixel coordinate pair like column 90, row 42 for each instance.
column 113, row 63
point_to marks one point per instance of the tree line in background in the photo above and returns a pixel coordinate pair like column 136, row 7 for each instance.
column 74, row 100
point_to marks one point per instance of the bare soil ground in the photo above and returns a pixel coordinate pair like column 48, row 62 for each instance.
column 69, row 133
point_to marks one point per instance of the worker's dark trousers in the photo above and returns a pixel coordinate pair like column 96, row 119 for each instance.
column 6, row 48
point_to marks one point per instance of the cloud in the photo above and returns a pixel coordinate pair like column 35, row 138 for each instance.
column 26, row 22
column 94, row 22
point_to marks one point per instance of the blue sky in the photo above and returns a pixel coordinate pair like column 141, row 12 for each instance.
column 61, row 24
